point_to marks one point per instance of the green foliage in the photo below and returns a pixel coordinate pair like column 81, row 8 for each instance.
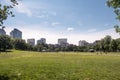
column 107, row 41
column 105, row 44
column 102, row 45
column 22, row 65
column 114, row 45
column 42, row 47
column 82, row 49
column 51, row 48
column 6, row 10
column 20, row 44
column 118, row 44
column 116, row 5
column 97, row 47
column 5, row 42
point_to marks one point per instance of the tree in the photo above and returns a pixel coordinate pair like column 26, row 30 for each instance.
column 5, row 42
column 20, row 44
column 118, row 43
column 42, row 47
column 107, row 41
column 6, row 10
column 51, row 47
column 113, row 45
column 81, row 48
column 105, row 44
column 97, row 47
column 71, row 47
column 39, row 47
column 102, row 42
column 116, row 5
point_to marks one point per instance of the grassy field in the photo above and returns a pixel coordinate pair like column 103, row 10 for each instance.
column 23, row 65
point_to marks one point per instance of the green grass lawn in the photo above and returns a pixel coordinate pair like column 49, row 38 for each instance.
column 23, row 65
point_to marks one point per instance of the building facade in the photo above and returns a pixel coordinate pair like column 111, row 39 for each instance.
column 83, row 43
column 2, row 31
column 31, row 41
column 62, row 42
column 16, row 34
column 41, row 41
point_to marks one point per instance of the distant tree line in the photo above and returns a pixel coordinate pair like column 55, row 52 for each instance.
column 107, row 44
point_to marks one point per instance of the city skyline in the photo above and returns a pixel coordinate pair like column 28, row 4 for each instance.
column 74, row 20
column 63, row 42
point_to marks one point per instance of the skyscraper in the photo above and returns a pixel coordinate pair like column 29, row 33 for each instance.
column 16, row 34
column 41, row 41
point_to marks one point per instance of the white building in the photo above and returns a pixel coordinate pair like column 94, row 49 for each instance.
column 41, row 41
column 2, row 31
column 16, row 34
column 83, row 43
column 31, row 41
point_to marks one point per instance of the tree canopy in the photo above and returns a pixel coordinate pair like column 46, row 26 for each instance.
column 5, row 42
column 115, row 4
column 6, row 10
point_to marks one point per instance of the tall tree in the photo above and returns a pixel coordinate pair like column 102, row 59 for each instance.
column 107, row 41
column 6, row 10
column 116, row 5
column 105, row 44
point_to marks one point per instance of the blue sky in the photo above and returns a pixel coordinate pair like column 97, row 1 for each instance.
column 73, row 19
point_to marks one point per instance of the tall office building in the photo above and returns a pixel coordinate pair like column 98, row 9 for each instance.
column 31, row 41
column 41, row 41
column 62, row 42
column 2, row 31
column 16, row 34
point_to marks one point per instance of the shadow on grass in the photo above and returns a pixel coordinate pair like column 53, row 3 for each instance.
column 8, row 51
column 4, row 77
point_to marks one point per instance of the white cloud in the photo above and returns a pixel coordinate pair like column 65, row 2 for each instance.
column 44, row 14
column 91, row 37
column 37, row 10
column 22, row 8
column 102, row 34
column 70, row 29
